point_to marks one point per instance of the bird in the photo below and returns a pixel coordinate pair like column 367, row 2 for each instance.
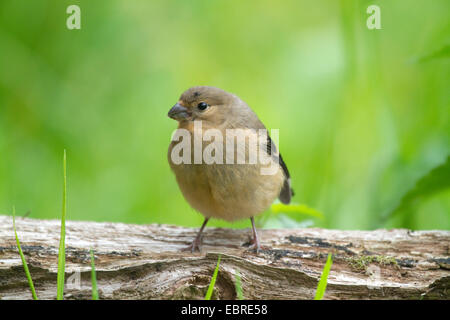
column 221, row 190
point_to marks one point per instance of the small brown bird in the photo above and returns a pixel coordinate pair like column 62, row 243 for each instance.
column 222, row 190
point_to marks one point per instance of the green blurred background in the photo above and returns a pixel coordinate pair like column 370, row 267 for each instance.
column 363, row 114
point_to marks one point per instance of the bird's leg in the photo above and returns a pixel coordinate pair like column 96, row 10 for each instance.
column 197, row 243
column 254, row 243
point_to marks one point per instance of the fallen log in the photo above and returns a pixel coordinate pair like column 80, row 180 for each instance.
column 145, row 262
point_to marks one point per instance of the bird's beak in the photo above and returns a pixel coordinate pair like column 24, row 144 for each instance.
column 178, row 112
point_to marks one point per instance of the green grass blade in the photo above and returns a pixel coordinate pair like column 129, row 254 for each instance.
column 441, row 53
column 296, row 209
column 238, row 286
column 62, row 240
column 24, row 262
column 213, row 281
column 93, row 278
column 322, row 286
column 433, row 182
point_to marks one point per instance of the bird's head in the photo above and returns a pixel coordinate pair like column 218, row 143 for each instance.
column 208, row 104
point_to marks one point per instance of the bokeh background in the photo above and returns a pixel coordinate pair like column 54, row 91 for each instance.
column 363, row 114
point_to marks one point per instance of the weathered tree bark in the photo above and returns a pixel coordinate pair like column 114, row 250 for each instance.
column 145, row 262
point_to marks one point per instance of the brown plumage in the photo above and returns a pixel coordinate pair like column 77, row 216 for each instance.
column 226, row 191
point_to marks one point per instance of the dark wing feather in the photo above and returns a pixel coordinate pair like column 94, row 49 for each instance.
column 253, row 122
column 286, row 192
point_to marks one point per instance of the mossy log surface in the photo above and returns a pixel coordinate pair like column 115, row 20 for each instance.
column 145, row 262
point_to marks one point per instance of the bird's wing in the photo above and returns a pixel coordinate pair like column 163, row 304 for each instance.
column 252, row 121
column 286, row 191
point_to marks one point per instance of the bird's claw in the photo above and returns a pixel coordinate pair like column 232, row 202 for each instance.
column 253, row 245
column 256, row 248
column 196, row 245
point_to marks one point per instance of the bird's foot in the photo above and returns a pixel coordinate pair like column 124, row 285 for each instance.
column 256, row 248
column 253, row 245
column 196, row 245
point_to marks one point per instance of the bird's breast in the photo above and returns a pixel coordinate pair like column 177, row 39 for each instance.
column 229, row 191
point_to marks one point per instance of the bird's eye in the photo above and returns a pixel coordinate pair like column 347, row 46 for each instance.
column 202, row 106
